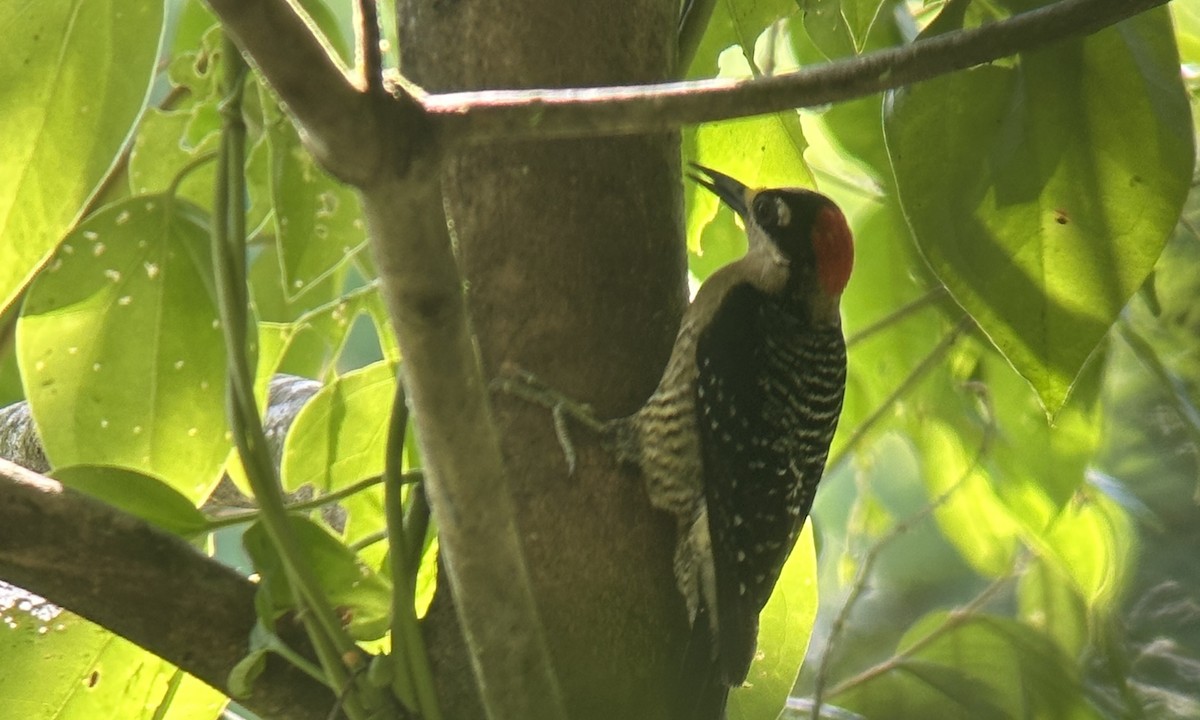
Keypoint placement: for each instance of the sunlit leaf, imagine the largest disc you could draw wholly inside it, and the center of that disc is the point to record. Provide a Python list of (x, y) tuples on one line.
[(58, 666), (73, 79), (340, 436), (766, 151), (736, 23), (1042, 194), (121, 351), (955, 471), (318, 221)]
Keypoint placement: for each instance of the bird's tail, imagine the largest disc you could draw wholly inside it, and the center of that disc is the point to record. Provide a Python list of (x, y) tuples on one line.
[(702, 692)]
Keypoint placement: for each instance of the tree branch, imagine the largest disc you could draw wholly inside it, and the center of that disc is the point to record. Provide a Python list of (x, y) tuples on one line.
[(330, 111), (147, 586), (527, 114)]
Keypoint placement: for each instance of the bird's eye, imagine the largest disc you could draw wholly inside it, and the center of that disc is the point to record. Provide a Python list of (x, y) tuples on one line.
[(771, 211)]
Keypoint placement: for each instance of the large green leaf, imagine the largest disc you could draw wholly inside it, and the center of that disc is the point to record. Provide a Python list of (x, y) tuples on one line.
[(121, 351), (73, 78), (1042, 193), (784, 629), (57, 666)]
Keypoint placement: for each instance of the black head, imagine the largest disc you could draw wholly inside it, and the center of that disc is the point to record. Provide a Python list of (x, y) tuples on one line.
[(806, 227)]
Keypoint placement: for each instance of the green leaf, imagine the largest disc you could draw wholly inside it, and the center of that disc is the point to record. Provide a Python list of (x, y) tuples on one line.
[(1042, 194), (829, 28), (121, 351), (1093, 542), (784, 629), (735, 23), (360, 594), (147, 497), (73, 78), (1048, 601), (340, 436), (988, 547), (318, 221), (57, 666)]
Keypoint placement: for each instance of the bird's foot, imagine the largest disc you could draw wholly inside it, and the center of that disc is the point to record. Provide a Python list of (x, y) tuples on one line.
[(517, 381)]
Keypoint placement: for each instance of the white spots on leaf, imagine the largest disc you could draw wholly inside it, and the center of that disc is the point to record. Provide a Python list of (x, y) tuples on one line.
[(137, 429), (327, 204), (103, 423), (90, 235), (203, 384), (98, 248), (96, 367), (40, 365), (193, 432), (178, 365), (122, 217), (73, 350), (216, 324), (113, 275), (150, 206), (124, 300), (151, 269), (68, 249), (55, 265)]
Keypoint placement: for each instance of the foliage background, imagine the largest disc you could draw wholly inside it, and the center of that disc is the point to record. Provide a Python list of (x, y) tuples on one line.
[(1008, 524)]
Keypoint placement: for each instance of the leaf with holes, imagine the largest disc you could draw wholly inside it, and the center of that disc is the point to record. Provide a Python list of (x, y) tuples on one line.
[(121, 352)]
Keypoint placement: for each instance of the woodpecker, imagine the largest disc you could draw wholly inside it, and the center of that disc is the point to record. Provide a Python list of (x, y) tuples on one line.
[(734, 439)]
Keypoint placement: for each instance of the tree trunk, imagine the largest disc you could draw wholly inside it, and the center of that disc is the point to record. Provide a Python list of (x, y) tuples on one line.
[(573, 255)]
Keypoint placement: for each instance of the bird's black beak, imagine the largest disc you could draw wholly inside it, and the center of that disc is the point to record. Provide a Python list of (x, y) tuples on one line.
[(732, 193)]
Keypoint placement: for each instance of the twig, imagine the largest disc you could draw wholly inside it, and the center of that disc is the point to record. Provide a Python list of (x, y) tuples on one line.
[(557, 113)]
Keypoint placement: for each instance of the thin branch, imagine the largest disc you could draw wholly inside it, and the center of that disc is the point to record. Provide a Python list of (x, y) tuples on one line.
[(557, 113), (303, 70)]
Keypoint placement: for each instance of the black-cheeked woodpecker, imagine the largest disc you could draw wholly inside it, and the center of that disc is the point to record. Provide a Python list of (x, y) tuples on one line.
[(734, 439)]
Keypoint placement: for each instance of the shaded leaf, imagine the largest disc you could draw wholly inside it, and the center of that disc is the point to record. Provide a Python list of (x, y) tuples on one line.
[(362, 596), (147, 497), (1042, 194)]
